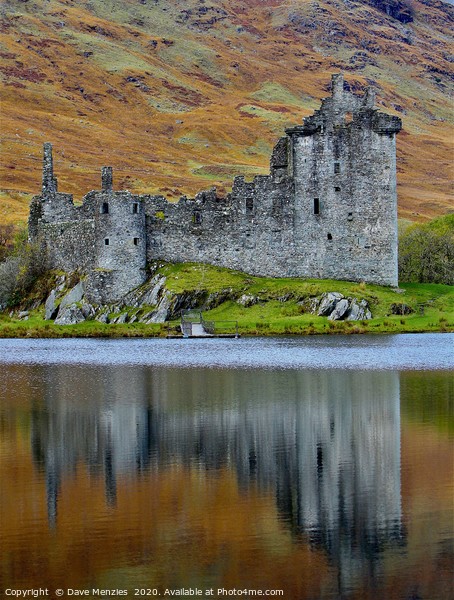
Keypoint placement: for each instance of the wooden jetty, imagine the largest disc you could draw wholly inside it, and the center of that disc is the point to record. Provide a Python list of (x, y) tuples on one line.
[(193, 325)]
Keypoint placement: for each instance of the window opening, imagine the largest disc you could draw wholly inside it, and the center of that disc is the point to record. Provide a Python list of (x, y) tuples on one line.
[(337, 167), (136, 241), (197, 217), (106, 241), (316, 206), (105, 208), (135, 208), (249, 204), (330, 237), (337, 189)]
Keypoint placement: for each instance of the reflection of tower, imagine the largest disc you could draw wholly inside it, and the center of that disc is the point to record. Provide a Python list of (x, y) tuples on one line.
[(349, 468), (103, 422)]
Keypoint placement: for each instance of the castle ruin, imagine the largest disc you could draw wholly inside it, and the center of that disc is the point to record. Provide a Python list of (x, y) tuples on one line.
[(327, 210)]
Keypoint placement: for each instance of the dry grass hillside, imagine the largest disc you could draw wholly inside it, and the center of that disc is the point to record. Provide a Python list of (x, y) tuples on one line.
[(179, 96)]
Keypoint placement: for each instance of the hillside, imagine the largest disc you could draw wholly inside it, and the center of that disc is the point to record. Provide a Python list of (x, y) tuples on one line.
[(182, 96)]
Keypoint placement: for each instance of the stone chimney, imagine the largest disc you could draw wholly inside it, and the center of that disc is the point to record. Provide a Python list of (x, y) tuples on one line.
[(49, 181), (107, 179), (337, 84)]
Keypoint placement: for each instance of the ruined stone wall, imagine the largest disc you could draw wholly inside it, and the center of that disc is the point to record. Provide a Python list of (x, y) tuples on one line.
[(248, 230), (70, 244), (328, 209)]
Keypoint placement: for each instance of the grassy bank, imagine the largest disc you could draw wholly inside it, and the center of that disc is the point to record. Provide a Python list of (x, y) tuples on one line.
[(277, 308)]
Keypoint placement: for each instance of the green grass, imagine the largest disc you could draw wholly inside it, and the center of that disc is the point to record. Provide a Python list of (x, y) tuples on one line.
[(277, 311), (37, 327)]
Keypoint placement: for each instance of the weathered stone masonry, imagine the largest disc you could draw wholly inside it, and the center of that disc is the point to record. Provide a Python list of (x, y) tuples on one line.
[(328, 209)]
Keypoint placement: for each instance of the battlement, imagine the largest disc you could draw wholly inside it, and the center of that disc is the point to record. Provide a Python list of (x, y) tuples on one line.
[(328, 209)]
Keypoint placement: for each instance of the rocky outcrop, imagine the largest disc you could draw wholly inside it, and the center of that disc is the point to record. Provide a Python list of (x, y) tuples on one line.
[(337, 307), (400, 309), (70, 315), (247, 300), (153, 302), (397, 9)]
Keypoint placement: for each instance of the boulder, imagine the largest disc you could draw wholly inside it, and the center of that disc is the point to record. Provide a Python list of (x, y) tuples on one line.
[(73, 296), (69, 315), (103, 318), (328, 303), (340, 311), (247, 300), (23, 314), (50, 308), (359, 311)]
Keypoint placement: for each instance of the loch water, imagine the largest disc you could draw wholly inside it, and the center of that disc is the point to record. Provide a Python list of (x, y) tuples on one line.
[(319, 466)]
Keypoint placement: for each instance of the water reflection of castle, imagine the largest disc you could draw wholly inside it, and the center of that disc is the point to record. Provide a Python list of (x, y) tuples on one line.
[(327, 444)]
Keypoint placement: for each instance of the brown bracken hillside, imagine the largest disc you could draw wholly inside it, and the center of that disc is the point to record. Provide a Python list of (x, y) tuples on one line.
[(180, 96)]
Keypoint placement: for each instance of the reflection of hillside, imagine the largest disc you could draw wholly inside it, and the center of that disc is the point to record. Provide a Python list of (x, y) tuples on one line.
[(327, 445)]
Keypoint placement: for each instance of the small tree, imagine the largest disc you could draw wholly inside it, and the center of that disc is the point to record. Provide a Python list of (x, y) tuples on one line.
[(6, 241), (426, 252), (24, 263)]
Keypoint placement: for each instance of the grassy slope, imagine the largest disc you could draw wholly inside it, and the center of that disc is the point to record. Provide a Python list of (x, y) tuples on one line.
[(270, 315), (181, 97)]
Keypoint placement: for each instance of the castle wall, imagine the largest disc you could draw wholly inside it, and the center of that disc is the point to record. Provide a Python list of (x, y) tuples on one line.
[(70, 244), (328, 209), (249, 230)]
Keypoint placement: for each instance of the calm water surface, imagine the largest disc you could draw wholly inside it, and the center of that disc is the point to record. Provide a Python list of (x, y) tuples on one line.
[(322, 467)]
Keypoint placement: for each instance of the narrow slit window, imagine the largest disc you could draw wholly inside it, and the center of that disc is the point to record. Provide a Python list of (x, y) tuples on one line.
[(105, 208), (106, 242), (197, 217), (136, 241), (135, 208), (337, 167), (316, 206), (249, 205)]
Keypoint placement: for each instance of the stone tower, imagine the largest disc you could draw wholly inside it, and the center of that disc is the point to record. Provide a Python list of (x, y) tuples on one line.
[(343, 163), (120, 242)]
